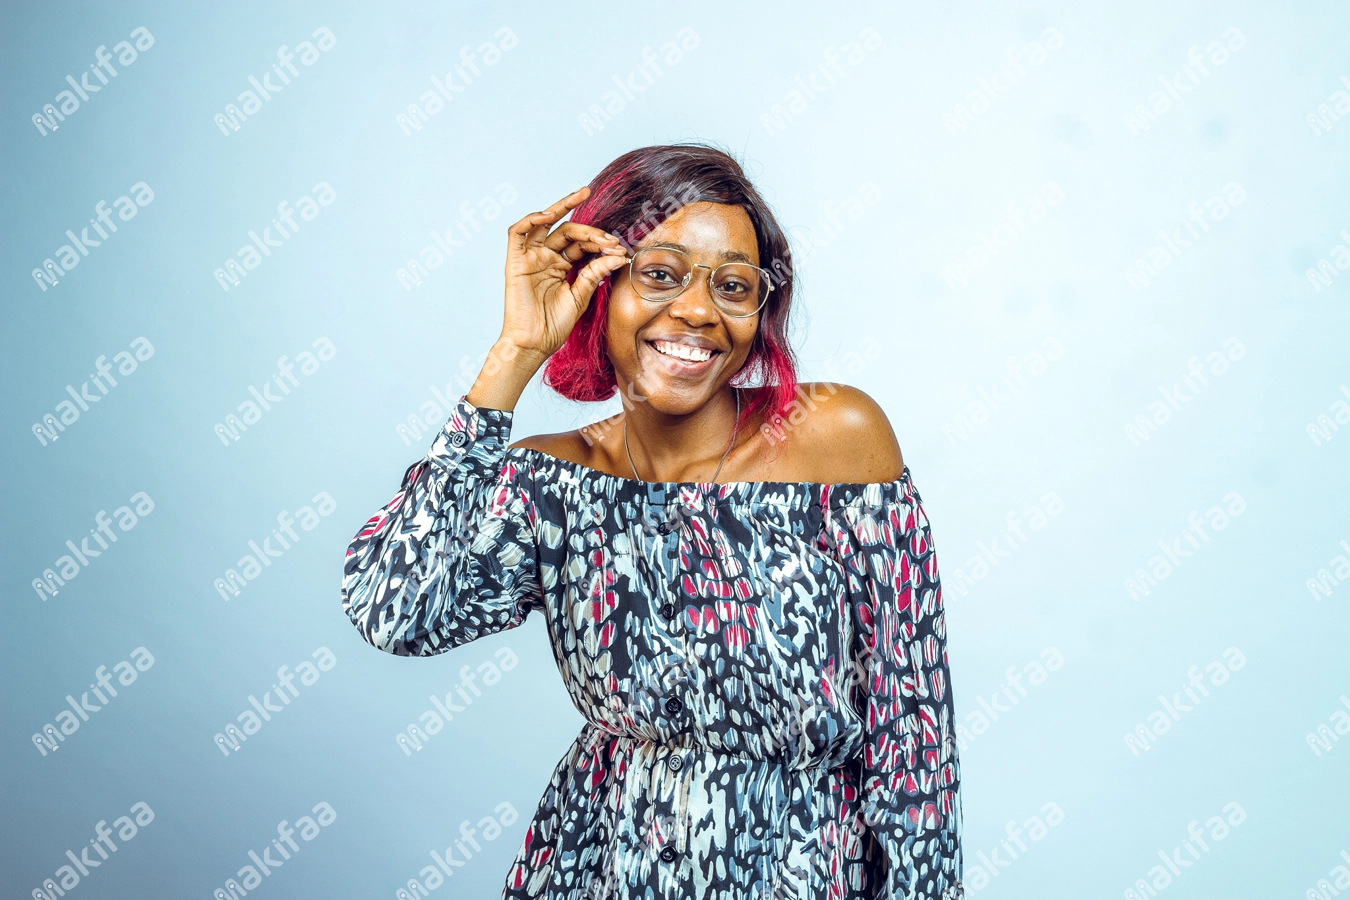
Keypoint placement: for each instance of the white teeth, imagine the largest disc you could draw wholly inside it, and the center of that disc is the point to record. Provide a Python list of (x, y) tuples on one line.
[(683, 351)]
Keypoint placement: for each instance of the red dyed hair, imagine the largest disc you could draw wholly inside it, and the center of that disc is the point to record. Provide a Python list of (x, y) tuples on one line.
[(632, 196)]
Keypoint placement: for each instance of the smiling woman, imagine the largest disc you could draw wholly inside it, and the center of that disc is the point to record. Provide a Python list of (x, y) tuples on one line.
[(820, 702)]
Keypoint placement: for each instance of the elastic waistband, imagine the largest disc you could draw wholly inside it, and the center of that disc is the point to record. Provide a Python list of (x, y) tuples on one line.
[(594, 739)]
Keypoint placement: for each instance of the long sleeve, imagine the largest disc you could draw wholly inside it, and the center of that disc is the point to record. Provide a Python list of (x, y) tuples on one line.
[(909, 776), (453, 556)]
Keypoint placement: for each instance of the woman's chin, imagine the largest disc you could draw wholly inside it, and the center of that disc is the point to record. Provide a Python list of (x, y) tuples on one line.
[(673, 397)]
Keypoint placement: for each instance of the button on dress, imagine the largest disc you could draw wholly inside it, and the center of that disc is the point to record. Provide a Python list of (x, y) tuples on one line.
[(762, 667)]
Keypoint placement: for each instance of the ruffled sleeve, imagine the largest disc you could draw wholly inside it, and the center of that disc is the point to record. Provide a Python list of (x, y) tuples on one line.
[(909, 775), (453, 556)]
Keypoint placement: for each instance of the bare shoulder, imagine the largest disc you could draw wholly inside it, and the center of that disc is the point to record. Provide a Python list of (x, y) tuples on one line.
[(569, 445), (846, 437)]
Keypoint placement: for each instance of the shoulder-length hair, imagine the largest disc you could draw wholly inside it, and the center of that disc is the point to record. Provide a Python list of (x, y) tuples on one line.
[(632, 196)]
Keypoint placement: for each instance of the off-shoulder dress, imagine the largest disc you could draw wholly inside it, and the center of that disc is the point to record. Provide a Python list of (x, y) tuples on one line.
[(762, 667)]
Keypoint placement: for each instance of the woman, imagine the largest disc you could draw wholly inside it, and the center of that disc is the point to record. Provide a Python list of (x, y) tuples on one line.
[(738, 581)]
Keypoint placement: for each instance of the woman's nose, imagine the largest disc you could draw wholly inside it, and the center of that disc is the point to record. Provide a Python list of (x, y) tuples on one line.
[(695, 302)]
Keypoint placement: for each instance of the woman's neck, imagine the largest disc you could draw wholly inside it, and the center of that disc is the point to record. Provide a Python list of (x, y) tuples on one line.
[(687, 447)]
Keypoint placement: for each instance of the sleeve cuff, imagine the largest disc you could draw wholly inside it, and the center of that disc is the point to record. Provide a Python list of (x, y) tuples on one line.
[(470, 427)]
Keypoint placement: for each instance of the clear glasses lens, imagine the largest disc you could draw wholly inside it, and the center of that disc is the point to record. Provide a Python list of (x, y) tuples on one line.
[(739, 289), (659, 274)]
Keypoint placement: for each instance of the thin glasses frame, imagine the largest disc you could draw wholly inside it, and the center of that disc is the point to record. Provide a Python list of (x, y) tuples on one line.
[(689, 279)]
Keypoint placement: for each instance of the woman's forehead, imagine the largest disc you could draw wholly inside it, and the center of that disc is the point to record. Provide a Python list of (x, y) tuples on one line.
[(705, 229)]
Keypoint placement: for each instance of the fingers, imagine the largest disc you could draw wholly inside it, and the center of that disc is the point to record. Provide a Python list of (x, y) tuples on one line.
[(578, 249), (571, 232), (590, 276), (522, 233), (532, 229), (573, 242)]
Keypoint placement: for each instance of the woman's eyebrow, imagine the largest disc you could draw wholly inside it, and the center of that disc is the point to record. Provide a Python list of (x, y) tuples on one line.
[(724, 256)]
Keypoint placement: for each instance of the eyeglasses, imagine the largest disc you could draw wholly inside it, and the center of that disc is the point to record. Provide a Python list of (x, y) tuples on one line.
[(663, 273)]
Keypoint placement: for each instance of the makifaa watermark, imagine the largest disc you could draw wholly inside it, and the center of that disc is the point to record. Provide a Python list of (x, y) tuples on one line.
[(67, 412), (977, 722), (489, 208), (50, 272), (1145, 736), (250, 413), (50, 737), (611, 103), (231, 273), (250, 878), (982, 99), (1159, 568), (977, 566), (233, 117), (233, 582), (777, 426), (810, 394), (126, 55), (231, 739), (1328, 423), (829, 229), (1326, 270), (819, 80), (983, 409), (65, 568), (490, 827), (1340, 874), (67, 877), (1158, 878), (979, 254), (820, 854), (413, 737), (1158, 413), (1326, 579), (1326, 734), (435, 411), (979, 875), (1160, 256), (853, 360), (1158, 102), (1320, 119), (467, 70)]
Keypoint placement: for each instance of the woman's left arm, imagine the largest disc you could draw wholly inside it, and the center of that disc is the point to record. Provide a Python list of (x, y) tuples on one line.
[(910, 776)]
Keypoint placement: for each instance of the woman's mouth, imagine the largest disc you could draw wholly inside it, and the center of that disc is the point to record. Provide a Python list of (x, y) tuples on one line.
[(682, 359), (682, 351)]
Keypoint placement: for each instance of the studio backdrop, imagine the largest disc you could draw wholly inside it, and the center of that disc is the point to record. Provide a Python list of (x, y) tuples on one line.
[(1093, 263)]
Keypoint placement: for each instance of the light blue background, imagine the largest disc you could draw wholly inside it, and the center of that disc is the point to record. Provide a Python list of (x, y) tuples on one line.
[(881, 278)]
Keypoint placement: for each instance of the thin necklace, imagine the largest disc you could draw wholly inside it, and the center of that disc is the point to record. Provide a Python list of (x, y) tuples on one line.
[(734, 428)]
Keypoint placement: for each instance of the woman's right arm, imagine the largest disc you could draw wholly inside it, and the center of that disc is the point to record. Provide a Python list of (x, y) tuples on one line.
[(452, 557)]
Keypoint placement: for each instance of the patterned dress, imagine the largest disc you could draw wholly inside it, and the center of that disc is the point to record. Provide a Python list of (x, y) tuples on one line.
[(762, 667)]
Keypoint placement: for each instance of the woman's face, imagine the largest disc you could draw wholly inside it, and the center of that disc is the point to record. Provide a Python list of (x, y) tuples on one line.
[(711, 233)]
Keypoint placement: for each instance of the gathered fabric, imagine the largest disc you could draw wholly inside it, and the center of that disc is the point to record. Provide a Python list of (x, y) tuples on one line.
[(762, 667)]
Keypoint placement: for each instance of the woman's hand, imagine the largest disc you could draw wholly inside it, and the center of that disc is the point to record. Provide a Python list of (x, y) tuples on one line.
[(541, 307)]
